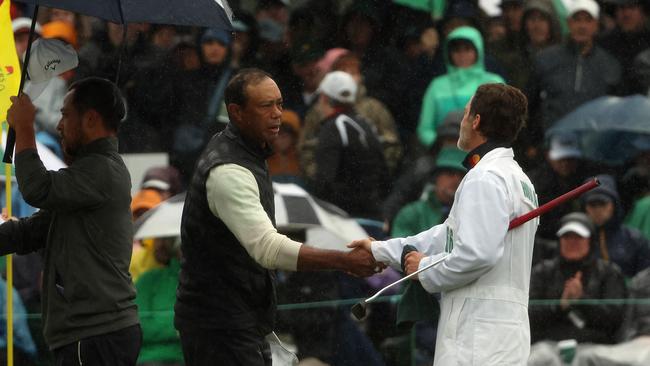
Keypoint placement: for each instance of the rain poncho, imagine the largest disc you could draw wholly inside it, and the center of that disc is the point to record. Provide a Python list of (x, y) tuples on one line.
[(454, 89)]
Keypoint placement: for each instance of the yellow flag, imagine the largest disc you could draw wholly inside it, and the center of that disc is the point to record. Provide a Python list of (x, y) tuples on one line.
[(9, 66)]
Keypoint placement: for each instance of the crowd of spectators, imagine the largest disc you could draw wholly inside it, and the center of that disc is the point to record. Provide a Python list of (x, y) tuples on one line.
[(412, 70)]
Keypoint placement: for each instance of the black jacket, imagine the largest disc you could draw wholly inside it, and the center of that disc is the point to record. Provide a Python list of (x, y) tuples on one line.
[(220, 284), (600, 280), (85, 227), (351, 171)]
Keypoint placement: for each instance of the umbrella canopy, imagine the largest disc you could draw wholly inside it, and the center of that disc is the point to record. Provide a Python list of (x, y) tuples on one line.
[(325, 226), (612, 130), (50, 160), (204, 13)]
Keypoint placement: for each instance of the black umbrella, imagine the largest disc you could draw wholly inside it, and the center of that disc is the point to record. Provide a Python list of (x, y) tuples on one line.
[(203, 13)]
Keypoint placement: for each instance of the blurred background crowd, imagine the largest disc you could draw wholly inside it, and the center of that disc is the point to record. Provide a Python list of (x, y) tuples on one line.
[(415, 64)]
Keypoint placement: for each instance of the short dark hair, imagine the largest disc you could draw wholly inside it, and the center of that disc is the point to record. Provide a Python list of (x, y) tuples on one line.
[(503, 110), (101, 95), (236, 89)]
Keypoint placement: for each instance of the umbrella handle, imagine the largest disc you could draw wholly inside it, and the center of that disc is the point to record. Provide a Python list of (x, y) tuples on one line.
[(11, 134)]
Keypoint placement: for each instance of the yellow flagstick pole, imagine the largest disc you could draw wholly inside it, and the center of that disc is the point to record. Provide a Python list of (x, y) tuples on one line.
[(10, 80), (10, 277)]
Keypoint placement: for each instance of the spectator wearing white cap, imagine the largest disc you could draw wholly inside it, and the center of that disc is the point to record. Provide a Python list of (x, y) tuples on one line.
[(567, 75), (20, 27), (563, 169), (349, 167), (576, 273)]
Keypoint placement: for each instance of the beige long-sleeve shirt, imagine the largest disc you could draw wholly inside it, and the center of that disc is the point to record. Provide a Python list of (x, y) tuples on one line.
[(233, 196)]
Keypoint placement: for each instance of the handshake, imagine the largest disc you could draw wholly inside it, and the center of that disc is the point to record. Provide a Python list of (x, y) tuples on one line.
[(361, 263)]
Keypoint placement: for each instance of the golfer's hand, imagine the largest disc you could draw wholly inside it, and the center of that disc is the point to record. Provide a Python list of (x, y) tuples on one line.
[(361, 263), (362, 243), (412, 263), (22, 113)]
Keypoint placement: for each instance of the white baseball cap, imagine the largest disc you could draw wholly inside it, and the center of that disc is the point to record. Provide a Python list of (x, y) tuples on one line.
[(340, 86), (49, 58), (590, 6), (575, 227), (22, 23), (564, 146)]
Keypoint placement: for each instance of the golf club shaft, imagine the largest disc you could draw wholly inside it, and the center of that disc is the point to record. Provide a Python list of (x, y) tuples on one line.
[(593, 183), (407, 277), (518, 221)]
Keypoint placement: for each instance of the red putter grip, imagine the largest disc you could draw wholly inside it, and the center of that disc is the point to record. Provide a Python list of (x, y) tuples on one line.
[(554, 203)]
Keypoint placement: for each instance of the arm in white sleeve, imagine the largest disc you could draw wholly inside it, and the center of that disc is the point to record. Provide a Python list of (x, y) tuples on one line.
[(429, 242), (233, 196), (478, 244)]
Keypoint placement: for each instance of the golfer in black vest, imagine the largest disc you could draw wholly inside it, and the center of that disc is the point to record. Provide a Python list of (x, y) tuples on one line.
[(226, 296)]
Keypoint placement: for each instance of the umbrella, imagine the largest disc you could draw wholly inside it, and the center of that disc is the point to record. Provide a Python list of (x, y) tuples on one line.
[(325, 226), (50, 160), (612, 130), (204, 13)]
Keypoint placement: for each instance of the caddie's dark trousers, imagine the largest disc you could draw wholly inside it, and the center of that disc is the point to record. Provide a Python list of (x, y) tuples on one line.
[(225, 348), (119, 348)]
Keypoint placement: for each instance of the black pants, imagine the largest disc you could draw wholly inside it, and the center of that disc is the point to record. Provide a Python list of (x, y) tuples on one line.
[(119, 348), (225, 348)]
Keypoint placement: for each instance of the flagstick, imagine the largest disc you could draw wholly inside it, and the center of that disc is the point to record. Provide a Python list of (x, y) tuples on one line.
[(10, 276)]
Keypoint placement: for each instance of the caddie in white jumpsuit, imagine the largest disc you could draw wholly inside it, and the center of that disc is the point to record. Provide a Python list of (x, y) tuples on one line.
[(485, 279)]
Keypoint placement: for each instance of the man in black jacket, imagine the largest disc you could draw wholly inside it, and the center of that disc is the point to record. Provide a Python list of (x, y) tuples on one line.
[(576, 274), (84, 225), (351, 171), (226, 299)]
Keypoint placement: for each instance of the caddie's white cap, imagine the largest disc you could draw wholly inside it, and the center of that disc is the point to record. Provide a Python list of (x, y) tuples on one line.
[(49, 58), (574, 227), (590, 6), (340, 86)]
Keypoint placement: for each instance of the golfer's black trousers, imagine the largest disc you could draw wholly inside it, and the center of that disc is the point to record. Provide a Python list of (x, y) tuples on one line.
[(223, 347), (119, 348)]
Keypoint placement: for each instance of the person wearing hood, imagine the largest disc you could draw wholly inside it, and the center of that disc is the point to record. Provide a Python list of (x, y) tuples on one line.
[(199, 96), (617, 243), (464, 57), (576, 273)]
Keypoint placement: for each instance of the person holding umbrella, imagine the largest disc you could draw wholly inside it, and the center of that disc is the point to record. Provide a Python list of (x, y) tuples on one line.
[(485, 271), (83, 227), (226, 298)]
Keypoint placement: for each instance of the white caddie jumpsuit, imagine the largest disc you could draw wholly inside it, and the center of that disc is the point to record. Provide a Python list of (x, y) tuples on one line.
[(485, 280)]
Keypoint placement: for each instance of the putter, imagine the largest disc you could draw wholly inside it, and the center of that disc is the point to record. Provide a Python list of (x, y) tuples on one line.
[(359, 309)]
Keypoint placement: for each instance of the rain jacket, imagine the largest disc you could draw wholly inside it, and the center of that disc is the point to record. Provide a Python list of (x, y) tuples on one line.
[(418, 216), (484, 281), (562, 79), (156, 298), (595, 323), (623, 245), (86, 228), (454, 89), (639, 216)]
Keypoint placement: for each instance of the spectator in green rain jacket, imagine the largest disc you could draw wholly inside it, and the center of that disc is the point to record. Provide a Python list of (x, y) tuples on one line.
[(464, 57)]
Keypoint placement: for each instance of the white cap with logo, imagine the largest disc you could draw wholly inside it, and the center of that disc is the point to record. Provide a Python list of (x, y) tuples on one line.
[(590, 6), (48, 58), (340, 86)]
